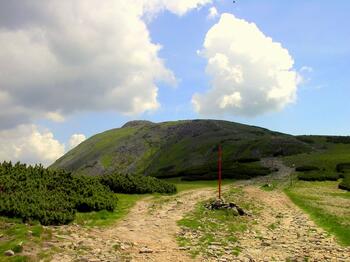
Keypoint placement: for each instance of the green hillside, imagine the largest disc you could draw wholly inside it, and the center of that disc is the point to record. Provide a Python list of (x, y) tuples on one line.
[(178, 148)]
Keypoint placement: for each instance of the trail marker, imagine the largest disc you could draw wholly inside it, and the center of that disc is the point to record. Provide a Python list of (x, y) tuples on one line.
[(219, 169)]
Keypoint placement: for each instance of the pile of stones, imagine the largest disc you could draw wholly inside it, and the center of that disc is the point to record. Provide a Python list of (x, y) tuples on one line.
[(221, 204)]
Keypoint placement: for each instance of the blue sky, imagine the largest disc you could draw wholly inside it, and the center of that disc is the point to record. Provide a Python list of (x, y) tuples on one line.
[(316, 35)]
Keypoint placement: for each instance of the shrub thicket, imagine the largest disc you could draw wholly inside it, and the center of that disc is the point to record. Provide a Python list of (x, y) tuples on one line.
[(318, 176), (306, 168), (338, 139), (345, 184), (343, 167), (51, 197), (248, 159), (238, 171), (136, 184), (305, 139)]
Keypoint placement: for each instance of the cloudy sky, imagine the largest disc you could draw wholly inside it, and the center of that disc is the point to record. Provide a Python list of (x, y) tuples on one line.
[(70, 69)]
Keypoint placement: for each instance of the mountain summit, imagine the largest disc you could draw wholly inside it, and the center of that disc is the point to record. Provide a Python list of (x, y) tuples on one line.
[(176, 148)]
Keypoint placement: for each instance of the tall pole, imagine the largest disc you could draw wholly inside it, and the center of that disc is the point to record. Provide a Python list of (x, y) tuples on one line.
[(219, 170)]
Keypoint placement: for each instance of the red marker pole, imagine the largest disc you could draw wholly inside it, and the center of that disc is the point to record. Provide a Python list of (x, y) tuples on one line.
[(219, 170)]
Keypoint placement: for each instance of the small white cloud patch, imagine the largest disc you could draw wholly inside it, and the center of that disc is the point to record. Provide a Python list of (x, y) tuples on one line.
[(55, 116), (76, 139), (213, 12), (251, 74)]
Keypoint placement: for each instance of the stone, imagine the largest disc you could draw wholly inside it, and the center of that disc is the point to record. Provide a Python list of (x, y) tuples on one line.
[(145, 250), (9, 253), (184, 248)]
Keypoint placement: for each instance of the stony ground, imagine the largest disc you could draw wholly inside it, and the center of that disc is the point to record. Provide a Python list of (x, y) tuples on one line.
[(146, 234), (284, 233), (281, 232)]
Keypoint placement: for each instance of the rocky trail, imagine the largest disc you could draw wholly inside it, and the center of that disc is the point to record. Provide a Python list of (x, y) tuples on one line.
[(284, 233), (148, 233), (281, 231)]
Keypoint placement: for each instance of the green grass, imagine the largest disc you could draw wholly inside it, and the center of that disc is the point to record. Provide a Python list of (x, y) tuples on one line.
[(191, 185), (106, 160), (327, 205), (269, 186), (105, 218), (214, 226), (327, 159), (16, 235)]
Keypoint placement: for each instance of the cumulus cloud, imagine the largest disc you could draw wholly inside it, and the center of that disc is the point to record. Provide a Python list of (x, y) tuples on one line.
[(213, 12), (251, 74), (76, 139), (26, 143), (60, 57)]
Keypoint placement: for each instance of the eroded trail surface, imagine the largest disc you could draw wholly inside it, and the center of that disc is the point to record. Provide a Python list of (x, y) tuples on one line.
[(148, 233), (284, 233)]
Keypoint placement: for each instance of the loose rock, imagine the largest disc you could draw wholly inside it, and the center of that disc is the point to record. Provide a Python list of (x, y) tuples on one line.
[(145, 250), (9, 253)]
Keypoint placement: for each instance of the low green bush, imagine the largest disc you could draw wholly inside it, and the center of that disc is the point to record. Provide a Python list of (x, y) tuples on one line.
[(343, 167), (238, 171), (338, 139), (136, 184), (305, 139), (248, 159), (318, 176), (345, 184), (306, 168), (50, 197)]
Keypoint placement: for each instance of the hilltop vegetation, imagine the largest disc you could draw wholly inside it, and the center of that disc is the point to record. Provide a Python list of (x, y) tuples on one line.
[(180, 148)]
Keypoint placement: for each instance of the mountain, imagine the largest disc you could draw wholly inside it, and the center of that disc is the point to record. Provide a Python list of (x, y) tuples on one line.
[(176, 148)]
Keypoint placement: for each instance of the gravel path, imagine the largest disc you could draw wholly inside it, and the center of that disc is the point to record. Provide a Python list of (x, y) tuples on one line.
[(146, 234), (284, 233)]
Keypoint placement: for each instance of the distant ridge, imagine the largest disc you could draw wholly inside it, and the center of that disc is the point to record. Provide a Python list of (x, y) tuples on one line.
[(175, 148)]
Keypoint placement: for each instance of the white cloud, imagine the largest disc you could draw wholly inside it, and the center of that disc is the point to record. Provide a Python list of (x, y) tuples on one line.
[(55, 116), (213, 12), (76, 139), (178, 7), (304, 75), (251, 74), (60, 57), (308, 69), (26, 143)]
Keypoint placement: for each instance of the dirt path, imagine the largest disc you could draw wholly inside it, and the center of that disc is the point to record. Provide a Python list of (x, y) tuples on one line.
[(284, 233), (146, 234)]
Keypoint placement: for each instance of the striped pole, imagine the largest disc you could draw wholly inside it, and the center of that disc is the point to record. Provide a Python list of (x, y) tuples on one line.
[(219, 170)]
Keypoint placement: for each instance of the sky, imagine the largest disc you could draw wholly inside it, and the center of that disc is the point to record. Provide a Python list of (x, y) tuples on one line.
[(71, 69)]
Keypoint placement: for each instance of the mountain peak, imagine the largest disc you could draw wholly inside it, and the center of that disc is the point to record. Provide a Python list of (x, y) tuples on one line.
[(137, 123)]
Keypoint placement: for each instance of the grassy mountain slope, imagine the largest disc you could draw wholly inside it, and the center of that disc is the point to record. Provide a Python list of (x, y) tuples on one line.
[(175, 148)]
